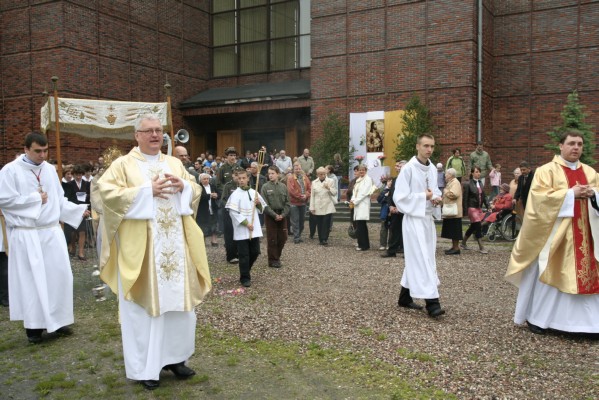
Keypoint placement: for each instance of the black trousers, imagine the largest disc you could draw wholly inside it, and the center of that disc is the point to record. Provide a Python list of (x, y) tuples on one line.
[(3, 278), (405, 298), (312, 224), (248, 251), (476, 228), (323, 224), (362, 233), (395, 234), (230, 246)]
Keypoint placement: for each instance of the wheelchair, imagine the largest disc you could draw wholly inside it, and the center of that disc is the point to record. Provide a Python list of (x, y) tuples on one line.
[(506, 226)]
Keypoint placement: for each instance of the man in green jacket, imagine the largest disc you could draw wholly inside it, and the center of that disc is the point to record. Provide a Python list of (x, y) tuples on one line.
[(480, 158)]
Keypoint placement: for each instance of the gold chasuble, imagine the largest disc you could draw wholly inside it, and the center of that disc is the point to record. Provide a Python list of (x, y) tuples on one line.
[(571, 261), (128, 244)]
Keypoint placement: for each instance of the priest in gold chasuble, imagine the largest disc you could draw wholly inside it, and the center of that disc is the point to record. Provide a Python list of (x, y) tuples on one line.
[(554, 261), (153, 255)]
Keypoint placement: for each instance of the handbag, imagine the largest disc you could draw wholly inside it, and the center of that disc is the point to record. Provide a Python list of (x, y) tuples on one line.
[(449, 210), (475, 214), (351, 231)]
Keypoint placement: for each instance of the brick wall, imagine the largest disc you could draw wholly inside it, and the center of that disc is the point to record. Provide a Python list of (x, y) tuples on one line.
[(122, 50), (366, 55)]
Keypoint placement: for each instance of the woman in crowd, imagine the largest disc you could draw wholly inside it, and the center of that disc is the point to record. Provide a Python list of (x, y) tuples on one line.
[(452, 224), (473, 200), (514, 182), (338, 171), (207, 209), (499, 206), (322, 204), (360, 202), (331, 175), (383, 200)]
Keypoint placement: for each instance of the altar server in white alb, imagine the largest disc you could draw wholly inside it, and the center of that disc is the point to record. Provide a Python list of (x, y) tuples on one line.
[(153, 255), (39, 271), (243, 205), (417, 196)]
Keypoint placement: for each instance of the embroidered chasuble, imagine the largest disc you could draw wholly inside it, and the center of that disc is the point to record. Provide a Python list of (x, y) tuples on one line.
[(162, 263), (563, 244)]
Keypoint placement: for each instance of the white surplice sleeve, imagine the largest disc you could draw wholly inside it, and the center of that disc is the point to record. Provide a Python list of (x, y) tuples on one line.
[(407, 200), (143, 205), (25, 206)]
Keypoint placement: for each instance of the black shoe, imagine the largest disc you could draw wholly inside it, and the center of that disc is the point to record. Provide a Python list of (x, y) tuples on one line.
[(150, 384), (387, 255), (311, 236), (180, 370), (411, 305), (35, 339), (324, 243), (536, 329), (453, 252), (275, 264), (436, 312), (214, 244), (65, 331), (246, 283)]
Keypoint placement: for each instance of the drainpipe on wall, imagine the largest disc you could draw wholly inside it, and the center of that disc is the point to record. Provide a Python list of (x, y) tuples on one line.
[(479, 80)]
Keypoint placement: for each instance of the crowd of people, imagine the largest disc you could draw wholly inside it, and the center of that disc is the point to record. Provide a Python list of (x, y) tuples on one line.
[(157, 212)]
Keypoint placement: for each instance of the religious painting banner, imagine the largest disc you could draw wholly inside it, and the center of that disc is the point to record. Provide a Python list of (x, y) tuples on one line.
[(98, 118), (374, 136)]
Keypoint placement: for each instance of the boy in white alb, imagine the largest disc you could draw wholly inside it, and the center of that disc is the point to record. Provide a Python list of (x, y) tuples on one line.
[(244, 204)]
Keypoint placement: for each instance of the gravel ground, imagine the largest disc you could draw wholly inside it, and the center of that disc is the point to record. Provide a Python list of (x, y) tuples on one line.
[(338, 297)]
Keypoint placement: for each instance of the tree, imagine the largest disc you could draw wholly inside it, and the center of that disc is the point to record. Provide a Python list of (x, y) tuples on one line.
[(573, 117), (335, 139), (417, 120)]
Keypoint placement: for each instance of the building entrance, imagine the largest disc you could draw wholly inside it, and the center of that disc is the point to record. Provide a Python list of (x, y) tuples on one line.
[(253, 140)]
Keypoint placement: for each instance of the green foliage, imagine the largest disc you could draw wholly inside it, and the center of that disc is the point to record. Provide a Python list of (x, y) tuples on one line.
[(417, 120), (335, 139), (573, 117)]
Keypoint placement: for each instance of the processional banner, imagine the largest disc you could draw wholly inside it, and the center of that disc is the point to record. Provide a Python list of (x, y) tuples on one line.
[(374, 136), (98, 118)]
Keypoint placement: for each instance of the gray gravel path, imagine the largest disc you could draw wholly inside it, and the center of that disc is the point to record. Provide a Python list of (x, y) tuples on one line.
[(338, 297)]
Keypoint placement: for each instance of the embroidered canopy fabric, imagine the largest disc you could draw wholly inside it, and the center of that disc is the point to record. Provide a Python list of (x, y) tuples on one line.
[(98, 118)]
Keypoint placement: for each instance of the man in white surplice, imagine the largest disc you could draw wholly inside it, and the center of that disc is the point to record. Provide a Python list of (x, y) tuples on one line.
[(40, 277), (153, 255), (417, 197)]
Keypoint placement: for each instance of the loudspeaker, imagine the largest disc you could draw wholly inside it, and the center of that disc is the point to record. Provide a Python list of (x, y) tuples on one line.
[(182, 136)]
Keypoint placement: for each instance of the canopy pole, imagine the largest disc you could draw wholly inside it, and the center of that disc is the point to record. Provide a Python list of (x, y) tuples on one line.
[(57, 118), (169, 113)]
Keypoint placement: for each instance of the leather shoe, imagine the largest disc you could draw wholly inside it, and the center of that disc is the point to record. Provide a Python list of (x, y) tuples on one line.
[(180, 370), (452, 252), (150, 384), (536, 329), (35, 339), (387, 255), (246, 283), (411, 305), (436, 312), (65, 331)]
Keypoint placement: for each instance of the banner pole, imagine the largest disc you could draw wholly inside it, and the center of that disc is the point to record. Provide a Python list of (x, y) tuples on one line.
[(57, 118), (167, 88)]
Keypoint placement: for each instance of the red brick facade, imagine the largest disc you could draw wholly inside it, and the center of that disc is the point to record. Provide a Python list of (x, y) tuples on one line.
[(366, 56)]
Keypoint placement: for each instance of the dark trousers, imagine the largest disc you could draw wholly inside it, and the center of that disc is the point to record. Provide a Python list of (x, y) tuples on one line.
[(476, 228), (362, 233), (276, 237), (3, 279), (323, 223), (297, 214), (312, 224), (248, 251), (395, 234), (230, 246), (405, 298)]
